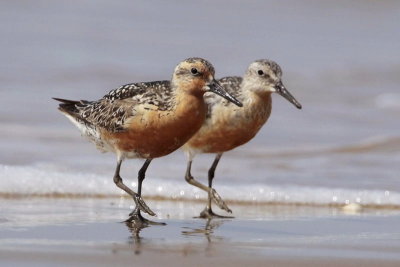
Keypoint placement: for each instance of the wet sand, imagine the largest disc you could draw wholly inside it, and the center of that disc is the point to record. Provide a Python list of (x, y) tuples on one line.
[(89, 231)]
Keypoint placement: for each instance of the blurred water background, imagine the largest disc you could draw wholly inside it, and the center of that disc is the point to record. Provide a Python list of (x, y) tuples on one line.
[(340, 59)]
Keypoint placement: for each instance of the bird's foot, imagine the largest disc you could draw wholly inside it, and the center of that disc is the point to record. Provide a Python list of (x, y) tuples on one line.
[(207, 213), (141, 205), (139, 221), (218, 200)]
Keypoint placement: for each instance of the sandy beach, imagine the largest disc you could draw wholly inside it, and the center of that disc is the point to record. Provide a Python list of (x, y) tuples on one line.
[(91, 231)]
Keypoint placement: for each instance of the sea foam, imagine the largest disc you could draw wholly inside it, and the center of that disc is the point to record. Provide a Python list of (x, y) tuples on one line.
[(37, 181)]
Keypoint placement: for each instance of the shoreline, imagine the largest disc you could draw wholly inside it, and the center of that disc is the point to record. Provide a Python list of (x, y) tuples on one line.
[(89, 231), (343, 206)]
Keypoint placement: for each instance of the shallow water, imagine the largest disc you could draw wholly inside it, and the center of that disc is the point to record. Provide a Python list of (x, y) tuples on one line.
[(339, 59), (81, 232)]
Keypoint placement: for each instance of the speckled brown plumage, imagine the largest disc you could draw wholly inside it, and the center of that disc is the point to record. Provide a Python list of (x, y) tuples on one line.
[(146, 120)]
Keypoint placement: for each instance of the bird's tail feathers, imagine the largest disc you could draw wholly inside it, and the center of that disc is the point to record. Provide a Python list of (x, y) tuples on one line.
[(69, 106)]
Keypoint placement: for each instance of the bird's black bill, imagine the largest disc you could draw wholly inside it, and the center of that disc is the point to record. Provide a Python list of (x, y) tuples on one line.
[(217, 88), (280, 89)]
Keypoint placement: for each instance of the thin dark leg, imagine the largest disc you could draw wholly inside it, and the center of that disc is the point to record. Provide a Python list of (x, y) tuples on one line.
[(211, 173), (142, 175), (208, 212), (212, 193), (135, 215), (140, 204)]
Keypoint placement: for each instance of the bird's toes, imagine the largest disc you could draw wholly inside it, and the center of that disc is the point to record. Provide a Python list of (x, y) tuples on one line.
[(218, 200), (142, 205)]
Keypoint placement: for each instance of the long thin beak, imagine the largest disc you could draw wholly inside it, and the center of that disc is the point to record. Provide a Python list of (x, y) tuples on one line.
[(217, 88), (280, 89)]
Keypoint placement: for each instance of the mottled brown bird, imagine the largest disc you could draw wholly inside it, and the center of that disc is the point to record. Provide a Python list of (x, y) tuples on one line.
[(147, 120)]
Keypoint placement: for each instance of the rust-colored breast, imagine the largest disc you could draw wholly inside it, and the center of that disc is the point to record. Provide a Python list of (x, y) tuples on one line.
[(229, 127), (154, 133)]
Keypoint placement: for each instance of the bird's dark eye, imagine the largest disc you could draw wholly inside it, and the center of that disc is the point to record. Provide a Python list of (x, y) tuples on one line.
[(260, 72), (194, 71)]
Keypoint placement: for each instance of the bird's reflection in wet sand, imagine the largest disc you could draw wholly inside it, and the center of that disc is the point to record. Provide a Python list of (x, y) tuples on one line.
[(135, 239), (207, 230)]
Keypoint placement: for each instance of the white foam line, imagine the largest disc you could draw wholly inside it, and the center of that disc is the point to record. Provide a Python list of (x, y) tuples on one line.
[(30, 180)]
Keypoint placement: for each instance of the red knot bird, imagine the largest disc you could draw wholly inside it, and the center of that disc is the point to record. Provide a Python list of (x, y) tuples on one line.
[(227, 126), (147, 120)]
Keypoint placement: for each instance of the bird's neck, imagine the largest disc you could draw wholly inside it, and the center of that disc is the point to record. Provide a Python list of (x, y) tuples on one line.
[(262, 97), (189, 103), (257, 105), (188, 93)]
